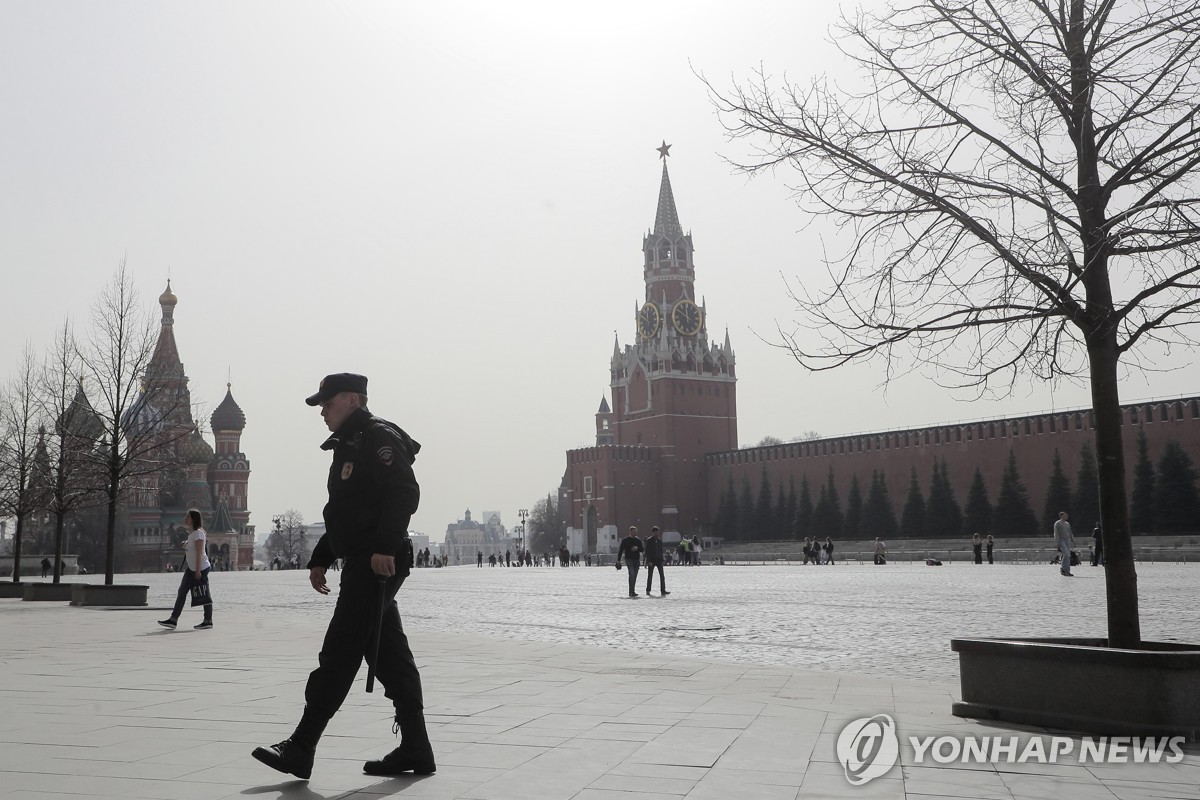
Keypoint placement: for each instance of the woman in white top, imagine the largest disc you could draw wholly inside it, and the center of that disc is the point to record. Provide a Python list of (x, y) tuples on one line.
[(196, 572)]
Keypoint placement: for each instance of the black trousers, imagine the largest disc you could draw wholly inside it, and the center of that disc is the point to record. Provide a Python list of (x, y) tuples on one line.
[(350, 638), (662, 581)]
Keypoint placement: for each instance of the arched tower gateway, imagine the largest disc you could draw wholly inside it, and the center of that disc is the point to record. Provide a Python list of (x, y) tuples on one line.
[(673, 401)]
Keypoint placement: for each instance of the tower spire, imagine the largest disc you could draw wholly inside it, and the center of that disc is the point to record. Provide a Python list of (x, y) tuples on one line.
[(666, 219), (165, 362)]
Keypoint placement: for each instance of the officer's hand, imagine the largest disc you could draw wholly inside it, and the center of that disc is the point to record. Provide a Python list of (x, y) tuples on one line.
[(316, 576), (384, 566)]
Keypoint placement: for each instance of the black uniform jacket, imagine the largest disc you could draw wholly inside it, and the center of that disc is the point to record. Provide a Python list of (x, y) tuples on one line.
[(373, 492), (654, 550), (631, 548)]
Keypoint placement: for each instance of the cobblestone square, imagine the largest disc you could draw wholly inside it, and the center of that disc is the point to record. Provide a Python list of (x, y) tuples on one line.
[(550, 683)]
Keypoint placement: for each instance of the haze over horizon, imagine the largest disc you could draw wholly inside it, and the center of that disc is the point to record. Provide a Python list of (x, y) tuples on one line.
[(448, 199)]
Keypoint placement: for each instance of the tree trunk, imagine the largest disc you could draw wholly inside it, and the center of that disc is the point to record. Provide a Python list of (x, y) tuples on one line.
[(58, 546), (1124, 629), (110, 541), (18, 533)]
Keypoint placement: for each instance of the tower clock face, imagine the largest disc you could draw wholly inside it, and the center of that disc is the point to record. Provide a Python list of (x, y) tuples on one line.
[(686, 317), (649, 320)]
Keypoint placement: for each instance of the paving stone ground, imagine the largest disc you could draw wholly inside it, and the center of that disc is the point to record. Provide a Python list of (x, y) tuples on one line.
[(548, 683)]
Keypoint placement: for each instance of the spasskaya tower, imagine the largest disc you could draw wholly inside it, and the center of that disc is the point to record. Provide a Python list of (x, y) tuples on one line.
[(673, 401)]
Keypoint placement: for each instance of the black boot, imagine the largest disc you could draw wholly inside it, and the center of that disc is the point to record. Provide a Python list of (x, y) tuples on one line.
[(295, 755), (415, 753), (287, 756)]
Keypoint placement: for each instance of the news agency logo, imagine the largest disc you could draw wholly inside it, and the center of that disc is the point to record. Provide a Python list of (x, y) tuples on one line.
[(868, 748)]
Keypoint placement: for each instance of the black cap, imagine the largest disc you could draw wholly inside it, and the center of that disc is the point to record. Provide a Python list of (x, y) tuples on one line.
[(336, 384)]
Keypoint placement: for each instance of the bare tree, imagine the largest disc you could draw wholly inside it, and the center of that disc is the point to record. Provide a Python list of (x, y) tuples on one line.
[(137, 416), (1016, 185), (73, 438), (289, 538), (19, 422)]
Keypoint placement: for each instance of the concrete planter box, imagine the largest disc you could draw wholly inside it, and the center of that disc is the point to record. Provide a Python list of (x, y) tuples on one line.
[(49, 591), (10, 589), (1082, 685), (87, 594)]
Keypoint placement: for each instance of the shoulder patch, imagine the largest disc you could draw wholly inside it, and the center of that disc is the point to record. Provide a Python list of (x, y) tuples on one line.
[(386, 454)]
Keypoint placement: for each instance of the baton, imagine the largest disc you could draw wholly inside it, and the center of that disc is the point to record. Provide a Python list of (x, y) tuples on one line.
[(374, 659)]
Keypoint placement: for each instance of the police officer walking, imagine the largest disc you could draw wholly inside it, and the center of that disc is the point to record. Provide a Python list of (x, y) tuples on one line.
[(372, 496), (654, 559)]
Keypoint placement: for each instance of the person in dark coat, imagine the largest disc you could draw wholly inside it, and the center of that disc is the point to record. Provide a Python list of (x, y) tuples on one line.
[(654, 559), (977, 546), (1097, 546), (631, 551), (991, 544), (373, 494)]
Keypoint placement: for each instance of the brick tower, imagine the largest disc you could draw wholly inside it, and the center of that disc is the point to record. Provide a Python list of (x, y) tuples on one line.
[(673, 401)]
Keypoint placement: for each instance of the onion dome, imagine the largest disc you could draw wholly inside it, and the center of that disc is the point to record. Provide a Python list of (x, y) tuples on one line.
[(195, 450), (142, 418), (228, 416), (80, 420), (168, 298)]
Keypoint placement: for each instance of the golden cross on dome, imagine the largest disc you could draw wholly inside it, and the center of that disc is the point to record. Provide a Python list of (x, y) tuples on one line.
[(664, 151)]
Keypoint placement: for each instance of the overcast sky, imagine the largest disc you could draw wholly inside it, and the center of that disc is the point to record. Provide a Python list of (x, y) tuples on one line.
[(449, 198)]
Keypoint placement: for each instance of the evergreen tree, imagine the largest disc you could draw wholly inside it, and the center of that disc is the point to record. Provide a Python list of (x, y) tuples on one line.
[(763, 512), (827, 520), (1058, 498), (1085, 508), (854, 506), (878, 517), (833, 525), (780, 526), (788, 522), (726, 521), (1176, 501), (1013, 516), (912, 518), (802, 527), (1141, 504), (746, 511), (978, 515), (943, 517)]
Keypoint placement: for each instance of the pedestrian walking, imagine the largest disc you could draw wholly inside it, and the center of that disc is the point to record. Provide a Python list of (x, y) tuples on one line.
[(991, 543), (654, 560), (880, 551), (46, 567), (977, 547), (372, 496), (1097, 546), (194, 583), (828, 550), (1064, 540), (631, 551)]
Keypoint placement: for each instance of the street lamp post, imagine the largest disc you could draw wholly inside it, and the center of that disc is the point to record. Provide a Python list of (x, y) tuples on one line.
[(523, 514)]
